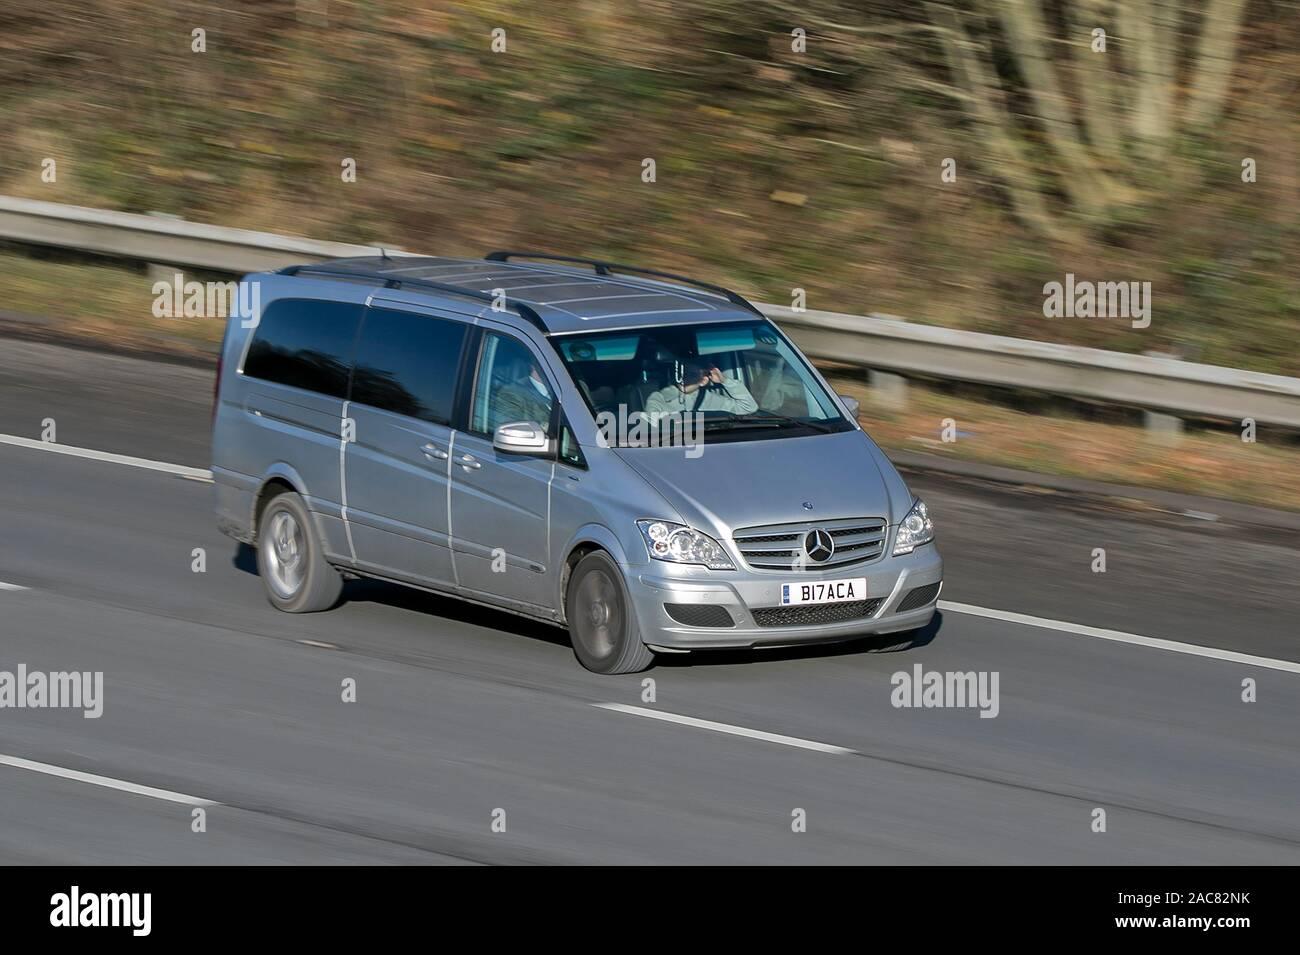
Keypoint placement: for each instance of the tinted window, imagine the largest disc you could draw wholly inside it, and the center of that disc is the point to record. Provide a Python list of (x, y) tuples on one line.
[(306, 344), (406, 363)]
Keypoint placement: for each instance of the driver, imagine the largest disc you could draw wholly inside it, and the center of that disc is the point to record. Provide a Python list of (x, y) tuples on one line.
[(702, 388)]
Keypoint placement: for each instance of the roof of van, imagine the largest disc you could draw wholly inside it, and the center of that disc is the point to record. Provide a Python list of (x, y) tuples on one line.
[(566, 298)]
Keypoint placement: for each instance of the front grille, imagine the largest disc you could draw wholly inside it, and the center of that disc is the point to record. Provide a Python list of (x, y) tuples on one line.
[(781, 546), (813, 614), (700, 615), (918, 597)]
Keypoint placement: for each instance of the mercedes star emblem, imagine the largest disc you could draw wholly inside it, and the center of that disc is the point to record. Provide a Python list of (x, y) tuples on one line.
[(819, 545)]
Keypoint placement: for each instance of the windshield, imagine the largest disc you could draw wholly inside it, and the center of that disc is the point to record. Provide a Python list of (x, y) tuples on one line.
[(736, 381)]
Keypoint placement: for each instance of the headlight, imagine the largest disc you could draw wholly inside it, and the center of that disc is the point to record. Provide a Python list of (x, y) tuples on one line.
[(683, 545), (915, 530)]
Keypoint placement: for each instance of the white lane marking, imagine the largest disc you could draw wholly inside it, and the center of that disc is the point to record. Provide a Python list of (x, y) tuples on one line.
[(318, 644), (726, 728), (195, 473), (1120, 636), (105, 781), (4, 586)]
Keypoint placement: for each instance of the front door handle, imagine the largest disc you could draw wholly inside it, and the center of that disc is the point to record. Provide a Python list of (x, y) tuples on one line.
[(433, 452), (468, 462)]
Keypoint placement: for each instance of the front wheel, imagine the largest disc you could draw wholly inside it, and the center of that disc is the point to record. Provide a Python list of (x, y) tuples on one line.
[(601, 623), (298, 579)]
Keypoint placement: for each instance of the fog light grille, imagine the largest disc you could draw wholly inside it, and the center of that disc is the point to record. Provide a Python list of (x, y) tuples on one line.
[(918, 597), (700, 615)]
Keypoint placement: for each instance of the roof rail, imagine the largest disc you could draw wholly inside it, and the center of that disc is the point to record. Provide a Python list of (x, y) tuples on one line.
[(526, 312), (609, 268)]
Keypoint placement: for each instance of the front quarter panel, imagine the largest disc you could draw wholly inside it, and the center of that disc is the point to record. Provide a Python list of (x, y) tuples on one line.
[(900, 496), (601, 505)]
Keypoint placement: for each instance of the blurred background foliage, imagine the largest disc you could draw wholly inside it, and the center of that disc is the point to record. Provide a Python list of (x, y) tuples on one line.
[(775, 169)]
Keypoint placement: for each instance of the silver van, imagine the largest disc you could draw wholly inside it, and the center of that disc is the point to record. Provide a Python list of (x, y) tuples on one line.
[(638, 456)]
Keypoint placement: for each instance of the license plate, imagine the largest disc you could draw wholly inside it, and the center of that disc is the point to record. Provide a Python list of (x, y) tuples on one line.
[(824, 591)]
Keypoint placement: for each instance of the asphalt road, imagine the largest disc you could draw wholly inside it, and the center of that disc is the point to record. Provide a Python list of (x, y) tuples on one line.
[(211, 696)]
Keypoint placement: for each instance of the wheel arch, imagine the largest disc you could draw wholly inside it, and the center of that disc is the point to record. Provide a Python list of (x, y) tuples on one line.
[(279, 477), (587, 539)]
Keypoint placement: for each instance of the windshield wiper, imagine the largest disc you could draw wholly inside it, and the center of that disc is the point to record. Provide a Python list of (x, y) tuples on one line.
[(768, 418)]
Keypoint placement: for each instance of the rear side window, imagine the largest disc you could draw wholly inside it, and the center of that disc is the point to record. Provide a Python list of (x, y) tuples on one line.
[(306, 344), (407, 363)]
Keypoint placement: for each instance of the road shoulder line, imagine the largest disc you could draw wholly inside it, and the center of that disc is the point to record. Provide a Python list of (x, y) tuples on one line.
[(1119, 636)]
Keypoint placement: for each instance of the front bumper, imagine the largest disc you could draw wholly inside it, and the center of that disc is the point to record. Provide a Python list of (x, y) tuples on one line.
[(890, 579)]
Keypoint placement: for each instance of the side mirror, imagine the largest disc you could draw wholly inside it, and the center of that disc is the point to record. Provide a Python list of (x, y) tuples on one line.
[(521, 437), (851, 404)]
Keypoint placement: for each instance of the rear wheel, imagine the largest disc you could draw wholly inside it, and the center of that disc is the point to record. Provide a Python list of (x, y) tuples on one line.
[(298, 579), (601, 624)]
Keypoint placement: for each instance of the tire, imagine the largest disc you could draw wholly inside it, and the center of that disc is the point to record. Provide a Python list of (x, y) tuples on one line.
[(294, 571), (602, 625)]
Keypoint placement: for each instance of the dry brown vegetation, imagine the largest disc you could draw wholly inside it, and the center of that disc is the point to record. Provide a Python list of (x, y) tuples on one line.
[(460, 149)]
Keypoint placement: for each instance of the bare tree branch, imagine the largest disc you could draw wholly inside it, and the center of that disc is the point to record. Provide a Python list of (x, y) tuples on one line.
[(1215, 59), (992, 121), (1101, 105)]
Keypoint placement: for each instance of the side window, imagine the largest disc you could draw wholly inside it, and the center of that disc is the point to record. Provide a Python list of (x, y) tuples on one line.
[(510, 387), (306, 344), (406, 363), (570, 452)]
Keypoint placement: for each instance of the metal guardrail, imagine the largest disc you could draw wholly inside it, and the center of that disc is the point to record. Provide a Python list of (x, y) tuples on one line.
[(1168, 385), (880, 343), (162, 239)]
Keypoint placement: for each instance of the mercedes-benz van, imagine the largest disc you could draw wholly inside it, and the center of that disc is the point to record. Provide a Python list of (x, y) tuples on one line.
[(641, 457)]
